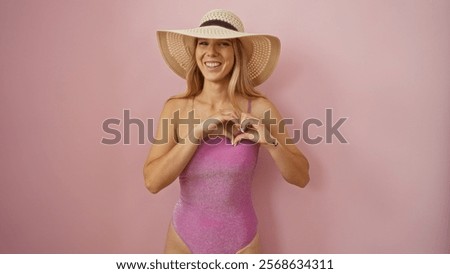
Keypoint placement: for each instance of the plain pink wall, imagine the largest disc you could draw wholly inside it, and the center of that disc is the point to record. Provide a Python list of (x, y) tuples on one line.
[(66, 66)]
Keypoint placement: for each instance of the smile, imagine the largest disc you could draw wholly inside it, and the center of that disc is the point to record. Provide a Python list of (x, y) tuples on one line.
[(212, 64)]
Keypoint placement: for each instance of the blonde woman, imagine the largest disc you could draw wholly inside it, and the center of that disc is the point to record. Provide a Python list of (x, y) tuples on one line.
[(214, 132)]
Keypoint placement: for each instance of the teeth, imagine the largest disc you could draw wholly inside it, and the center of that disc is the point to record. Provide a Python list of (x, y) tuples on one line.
[(212, 64)]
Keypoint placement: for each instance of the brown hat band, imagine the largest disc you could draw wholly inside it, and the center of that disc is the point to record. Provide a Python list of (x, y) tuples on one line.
[(219, 23)]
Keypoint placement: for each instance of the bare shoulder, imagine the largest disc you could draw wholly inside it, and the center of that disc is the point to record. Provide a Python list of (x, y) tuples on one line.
[(262, 105), (175, 104)]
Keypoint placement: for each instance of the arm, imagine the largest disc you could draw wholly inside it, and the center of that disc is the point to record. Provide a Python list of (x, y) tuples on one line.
[(166, 160), (293, 165)]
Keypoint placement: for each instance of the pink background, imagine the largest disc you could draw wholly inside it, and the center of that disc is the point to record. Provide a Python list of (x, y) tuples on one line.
[(66, 66)]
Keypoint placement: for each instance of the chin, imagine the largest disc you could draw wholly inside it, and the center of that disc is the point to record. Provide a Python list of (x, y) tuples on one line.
[(216, 79)]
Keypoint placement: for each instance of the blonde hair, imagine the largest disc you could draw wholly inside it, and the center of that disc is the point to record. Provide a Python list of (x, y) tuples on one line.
[(239, 84)]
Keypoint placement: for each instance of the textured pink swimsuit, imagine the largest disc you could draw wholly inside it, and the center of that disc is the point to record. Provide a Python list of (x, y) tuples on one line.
[(215, 212)]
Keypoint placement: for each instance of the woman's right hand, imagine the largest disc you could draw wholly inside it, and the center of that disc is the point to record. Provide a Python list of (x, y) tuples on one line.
[(220, 123)]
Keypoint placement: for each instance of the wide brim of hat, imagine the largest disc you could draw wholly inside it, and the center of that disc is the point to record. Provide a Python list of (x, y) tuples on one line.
[(178, 47)]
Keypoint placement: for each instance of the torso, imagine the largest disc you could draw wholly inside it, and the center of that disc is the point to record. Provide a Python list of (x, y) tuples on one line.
[(215, 213)]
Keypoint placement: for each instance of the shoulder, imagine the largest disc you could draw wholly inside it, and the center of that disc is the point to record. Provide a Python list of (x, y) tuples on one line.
[(176, 103), (262, 105)]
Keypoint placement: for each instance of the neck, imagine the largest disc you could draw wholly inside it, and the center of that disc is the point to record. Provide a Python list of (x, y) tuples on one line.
[(215, 93)]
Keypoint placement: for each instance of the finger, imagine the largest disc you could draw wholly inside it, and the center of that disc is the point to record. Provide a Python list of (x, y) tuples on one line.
[(247, 123), (229, 135), (240, 137), (237, 139), (255, 126), (236, 129)]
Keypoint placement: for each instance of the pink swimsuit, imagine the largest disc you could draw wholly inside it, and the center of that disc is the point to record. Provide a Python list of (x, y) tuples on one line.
[(215, 212)]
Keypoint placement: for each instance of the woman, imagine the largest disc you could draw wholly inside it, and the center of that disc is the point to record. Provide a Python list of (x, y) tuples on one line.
[(214, 131)]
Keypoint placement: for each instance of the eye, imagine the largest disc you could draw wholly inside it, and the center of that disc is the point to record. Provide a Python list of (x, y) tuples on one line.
[(224, 44), (202, 43)]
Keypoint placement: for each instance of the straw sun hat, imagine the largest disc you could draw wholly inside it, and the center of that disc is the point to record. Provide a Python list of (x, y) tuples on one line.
[(177, 46)]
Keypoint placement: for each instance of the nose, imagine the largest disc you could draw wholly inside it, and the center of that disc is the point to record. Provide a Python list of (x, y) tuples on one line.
[(211, 49)]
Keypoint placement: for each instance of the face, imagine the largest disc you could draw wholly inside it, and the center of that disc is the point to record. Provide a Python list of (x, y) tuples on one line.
[(215, 58)]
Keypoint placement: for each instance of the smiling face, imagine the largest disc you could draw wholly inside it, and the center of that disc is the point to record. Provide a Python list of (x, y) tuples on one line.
[(215, 59)]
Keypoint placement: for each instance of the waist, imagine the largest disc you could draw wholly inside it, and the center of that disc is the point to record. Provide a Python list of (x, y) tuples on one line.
[(223, 209), (216, 189)]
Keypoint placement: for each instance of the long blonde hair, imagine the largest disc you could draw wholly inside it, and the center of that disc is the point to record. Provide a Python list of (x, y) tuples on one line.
[(239, 84)]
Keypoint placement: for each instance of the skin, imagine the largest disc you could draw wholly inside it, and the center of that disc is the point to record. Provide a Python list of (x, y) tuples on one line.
[(166, 161)]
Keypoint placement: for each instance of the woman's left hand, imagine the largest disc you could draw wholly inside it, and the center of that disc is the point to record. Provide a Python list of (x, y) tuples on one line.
[(251, 128)]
